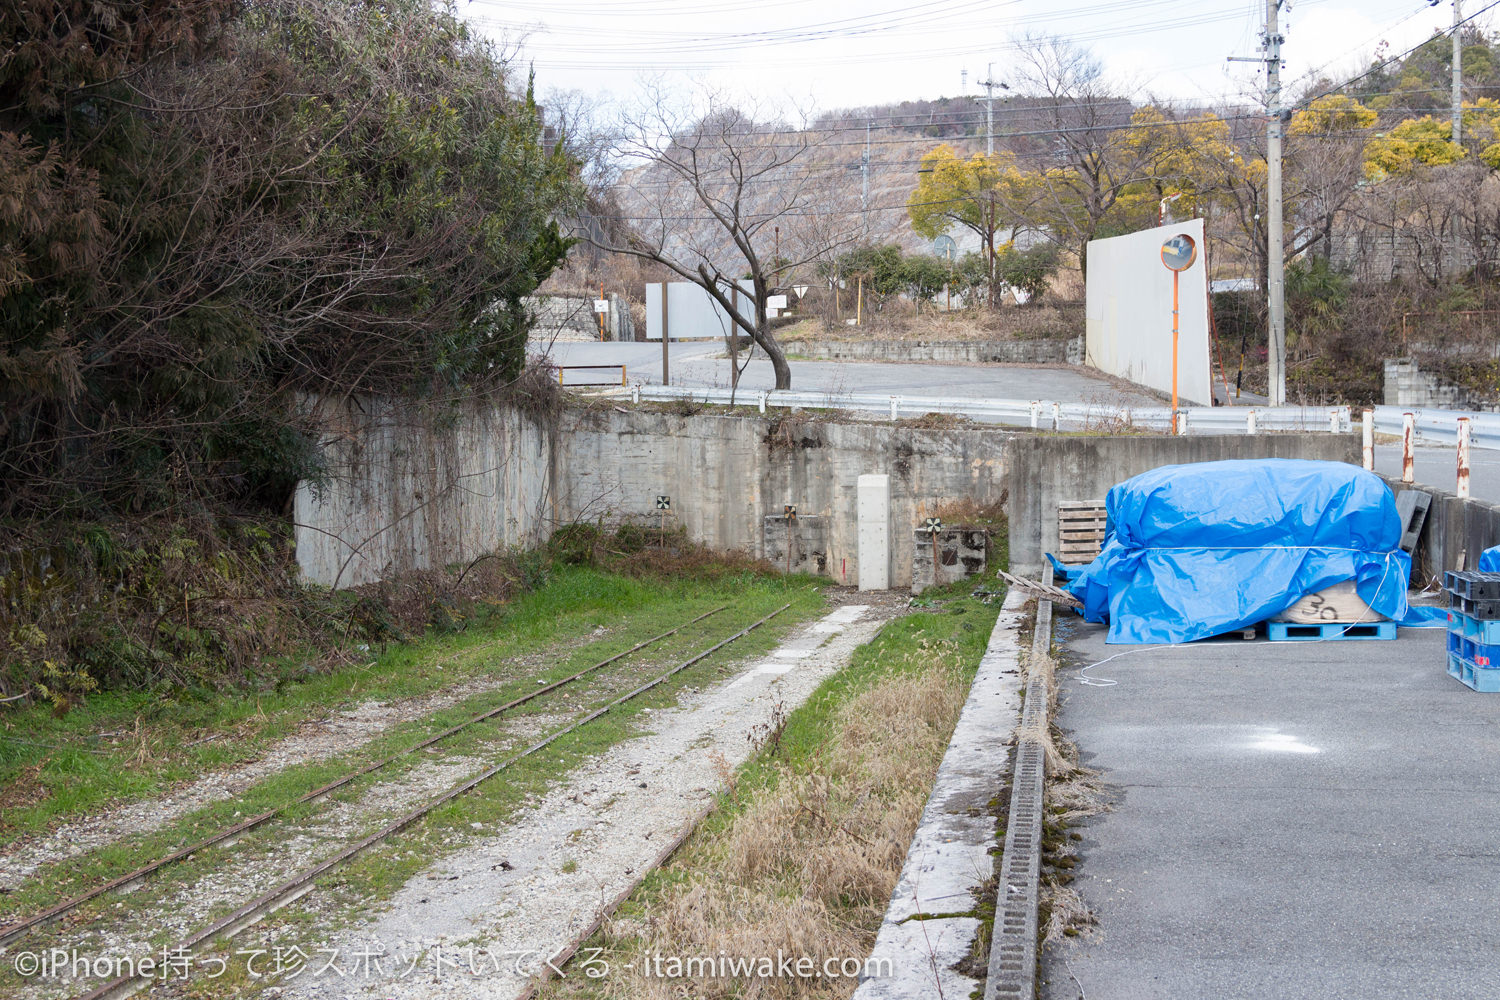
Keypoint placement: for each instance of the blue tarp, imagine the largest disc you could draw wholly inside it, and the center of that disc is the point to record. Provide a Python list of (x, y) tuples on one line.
[(1489, 560), (1195, 550)]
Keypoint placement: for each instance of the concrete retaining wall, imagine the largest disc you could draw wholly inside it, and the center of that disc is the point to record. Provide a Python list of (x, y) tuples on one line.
[(417, 491), (1041, 352), (726, 474), (1454, 528), (1044, 470), (410, 490)]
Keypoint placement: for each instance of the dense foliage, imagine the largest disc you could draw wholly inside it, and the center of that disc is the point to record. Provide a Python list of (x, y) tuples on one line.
[(210, 211)]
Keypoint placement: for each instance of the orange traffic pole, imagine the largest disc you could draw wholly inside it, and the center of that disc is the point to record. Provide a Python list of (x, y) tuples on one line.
[(1174, 351), (601, 315)]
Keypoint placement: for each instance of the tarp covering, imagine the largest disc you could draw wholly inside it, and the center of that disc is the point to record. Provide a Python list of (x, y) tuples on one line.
[(1489, 560), (1195, 550)]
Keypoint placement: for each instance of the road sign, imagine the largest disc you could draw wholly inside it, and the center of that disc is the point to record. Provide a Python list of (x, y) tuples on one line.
[(790, 512), (663, 503), (934, 526), (801, 290), (601, 306)]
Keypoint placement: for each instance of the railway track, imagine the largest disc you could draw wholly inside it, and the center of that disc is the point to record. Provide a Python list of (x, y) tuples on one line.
[(300, 884), (228, 835)]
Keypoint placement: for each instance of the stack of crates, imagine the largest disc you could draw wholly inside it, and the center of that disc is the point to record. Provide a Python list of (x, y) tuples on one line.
[(1474, 628)]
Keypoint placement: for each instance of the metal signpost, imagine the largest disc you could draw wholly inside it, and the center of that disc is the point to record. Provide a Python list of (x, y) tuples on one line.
[(663, 504), (1178, 254)]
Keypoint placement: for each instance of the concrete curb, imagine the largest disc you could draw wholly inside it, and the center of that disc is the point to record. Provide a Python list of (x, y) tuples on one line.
[(949, 856), (1013, 945)]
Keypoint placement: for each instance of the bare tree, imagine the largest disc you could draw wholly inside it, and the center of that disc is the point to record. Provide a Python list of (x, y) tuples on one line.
[(727, 199), (1086, 114)]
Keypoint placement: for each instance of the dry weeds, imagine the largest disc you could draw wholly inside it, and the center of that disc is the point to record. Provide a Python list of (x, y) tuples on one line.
[(809, 866)]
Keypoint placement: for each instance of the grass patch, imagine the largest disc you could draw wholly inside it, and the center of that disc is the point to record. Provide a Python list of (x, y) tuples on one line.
[(122, 746), (809, 837)]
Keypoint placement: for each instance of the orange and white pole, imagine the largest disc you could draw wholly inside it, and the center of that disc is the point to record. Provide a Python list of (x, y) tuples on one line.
[(1174, 347), (1463, 457)]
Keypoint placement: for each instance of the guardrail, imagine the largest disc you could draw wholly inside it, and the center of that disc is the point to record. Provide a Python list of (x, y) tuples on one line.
[(1429, 426)]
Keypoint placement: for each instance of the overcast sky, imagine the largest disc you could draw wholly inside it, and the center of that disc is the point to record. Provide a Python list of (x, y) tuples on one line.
[(848, 53)]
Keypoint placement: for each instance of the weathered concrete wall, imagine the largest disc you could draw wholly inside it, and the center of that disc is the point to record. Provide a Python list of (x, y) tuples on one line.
[(413, 492), (1455, 528), (410, 490), (726, 474), (1044, 470), (1041, 352), (1407, 385)]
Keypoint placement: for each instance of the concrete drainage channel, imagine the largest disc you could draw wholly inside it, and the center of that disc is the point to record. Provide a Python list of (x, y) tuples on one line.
[(928, 933), (1012, 970)]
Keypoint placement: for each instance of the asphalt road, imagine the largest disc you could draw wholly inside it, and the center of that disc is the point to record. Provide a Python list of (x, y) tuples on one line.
[(1308, 821), (701, 364)]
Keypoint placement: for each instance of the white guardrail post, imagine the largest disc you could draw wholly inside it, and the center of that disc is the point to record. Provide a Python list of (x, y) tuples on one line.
[(1408, 441), (1463, 457)]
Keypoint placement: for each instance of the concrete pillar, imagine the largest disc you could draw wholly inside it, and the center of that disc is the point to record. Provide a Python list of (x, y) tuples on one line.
[(874, 510)]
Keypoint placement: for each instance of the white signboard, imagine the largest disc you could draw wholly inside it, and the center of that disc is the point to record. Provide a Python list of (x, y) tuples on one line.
[(1129, 313), (601, 306), (776, 302)]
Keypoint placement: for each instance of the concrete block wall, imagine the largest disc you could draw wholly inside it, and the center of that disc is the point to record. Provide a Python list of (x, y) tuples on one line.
[(1407, 385), (1042, 352), (961, 552)]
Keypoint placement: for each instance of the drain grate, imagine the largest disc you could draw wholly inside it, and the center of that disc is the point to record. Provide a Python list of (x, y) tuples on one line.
[(1012, 967)]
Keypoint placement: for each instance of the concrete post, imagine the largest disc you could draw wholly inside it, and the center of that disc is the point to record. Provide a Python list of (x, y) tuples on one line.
[(1369, 439), (874, 512), (1181, 422), (1056, 416), (1333, 421), (895, 406), (762, 398), (1036, 413), (1250, 422)]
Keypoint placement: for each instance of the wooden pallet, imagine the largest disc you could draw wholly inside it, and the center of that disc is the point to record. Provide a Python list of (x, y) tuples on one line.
[(1080, 531), (1045, 591)]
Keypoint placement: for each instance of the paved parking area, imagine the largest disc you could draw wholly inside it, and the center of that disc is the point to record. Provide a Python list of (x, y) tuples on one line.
[(701, 364), (1289, 820)]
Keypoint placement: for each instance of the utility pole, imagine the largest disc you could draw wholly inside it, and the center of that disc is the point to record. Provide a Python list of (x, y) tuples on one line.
[(864, 174), (1458, 117), (1458, 75), (988, 100), (1275, 265)]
